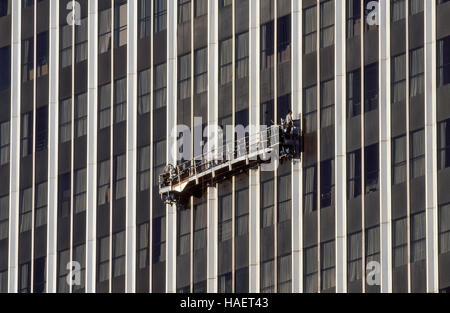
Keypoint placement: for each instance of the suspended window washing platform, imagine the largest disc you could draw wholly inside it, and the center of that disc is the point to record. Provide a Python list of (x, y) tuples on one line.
[(276, 143)]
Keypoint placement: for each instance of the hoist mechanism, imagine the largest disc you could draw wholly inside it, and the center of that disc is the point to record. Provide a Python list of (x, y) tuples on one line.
[(277, 143)]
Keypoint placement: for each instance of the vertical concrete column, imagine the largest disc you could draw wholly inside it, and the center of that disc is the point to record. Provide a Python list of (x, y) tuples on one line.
[(91, 198), (14, 186), (254, 184), (431, 148), (297, 170), (53, 142), (341, 148), (385, 146), (130, 267), (171, 210), (213, 100)]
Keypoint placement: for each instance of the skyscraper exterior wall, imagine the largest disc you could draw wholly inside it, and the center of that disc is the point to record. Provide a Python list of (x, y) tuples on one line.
[(92, 91)]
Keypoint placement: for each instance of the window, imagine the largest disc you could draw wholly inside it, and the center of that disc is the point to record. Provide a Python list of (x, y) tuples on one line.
[(201, 74), (284, 195), (417, 146), (416, 6), (81, 115), (372, 168), (372, 242), (79, 255), (42, 54), (443, 62), (444, 228), (241, 280), (104, 106), (327, 104), (24, 278), (160, 15), (399, 160), (144, 18), (201, 8), (354, 256), (41, 129), (39, 275), (118, 261), (4, 216), (267, 113), (225, 283), (159, 239), (309, 30), (226, 59), (65, 120), (200, 226), (398, 10), (310, 189), (103, 259), (416, 76), (284, 274), (81, 41), (66, 46), (142, 254), (327, 266), (183, 232), (326, 23), (400, 242), (241, 207), (104, 31), (353, 93), (310, 270), (371, 87), (27, 60), (80, 191), (225, 3), (25, 210), (444, 145), (120, 100), (5, 9), (64, 195), (284, 39), (4, 142), (159, 160), (4, 282), (267, 201), (399, 78), (144, 169), (27, 134), (27, 3), (242, 55), (418, 232), (184, 11), (120, 24), (184, 77), (354, 174), (160, 86), (104, 192), (267, 45), (326, 183), (120, 176), (5, 64), (144, 86), (310, 109), (40, 211), (267, 277), (353, 18), (225, 217)]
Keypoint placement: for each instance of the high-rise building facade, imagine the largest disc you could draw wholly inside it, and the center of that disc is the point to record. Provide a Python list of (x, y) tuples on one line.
[(90, 92)]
